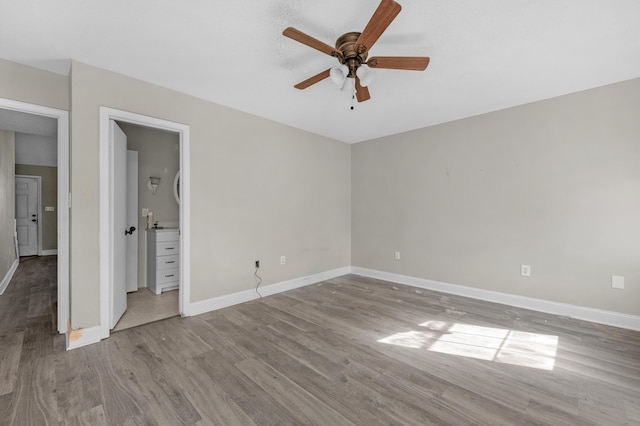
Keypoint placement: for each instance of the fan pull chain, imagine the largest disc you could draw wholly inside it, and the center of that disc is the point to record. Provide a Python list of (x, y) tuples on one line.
[(353, 94)]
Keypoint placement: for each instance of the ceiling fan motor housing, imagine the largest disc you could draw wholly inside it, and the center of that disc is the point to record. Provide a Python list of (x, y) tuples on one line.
[(346, 44)]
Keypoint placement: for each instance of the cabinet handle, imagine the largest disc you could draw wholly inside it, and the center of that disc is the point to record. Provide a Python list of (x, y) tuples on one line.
[(168, 276), (169, 248), (170, 261)]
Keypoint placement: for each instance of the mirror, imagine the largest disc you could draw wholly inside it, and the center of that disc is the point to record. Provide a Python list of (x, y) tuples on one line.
[(176, 187)]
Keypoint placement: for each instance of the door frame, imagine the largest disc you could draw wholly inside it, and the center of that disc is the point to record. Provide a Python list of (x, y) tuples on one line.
[(64, 198), (39, 201), (106, 243)]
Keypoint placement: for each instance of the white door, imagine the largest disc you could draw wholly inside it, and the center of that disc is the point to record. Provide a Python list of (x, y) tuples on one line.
[(118, 296), (132, 221), (27, 215)]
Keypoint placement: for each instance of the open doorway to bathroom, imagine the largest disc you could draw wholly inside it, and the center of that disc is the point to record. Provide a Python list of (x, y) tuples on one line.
[(153, 291), (112, 224)]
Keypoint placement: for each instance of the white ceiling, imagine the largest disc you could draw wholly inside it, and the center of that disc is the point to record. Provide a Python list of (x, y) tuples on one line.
[(22, 122), (485, 55)]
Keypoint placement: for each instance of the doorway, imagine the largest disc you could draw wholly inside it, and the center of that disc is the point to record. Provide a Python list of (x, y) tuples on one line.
[(108, 214), (152, 214), (24, 116)]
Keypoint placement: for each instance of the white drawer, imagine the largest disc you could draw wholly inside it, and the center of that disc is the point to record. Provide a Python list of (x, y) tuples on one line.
[(167, 262), (167, 236), (168, 248), (168, 275)]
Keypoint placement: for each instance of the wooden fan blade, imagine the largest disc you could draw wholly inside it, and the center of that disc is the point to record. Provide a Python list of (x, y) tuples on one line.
[(303, 38), (412, 63), (313, 80), (382, 17), (362, 93)]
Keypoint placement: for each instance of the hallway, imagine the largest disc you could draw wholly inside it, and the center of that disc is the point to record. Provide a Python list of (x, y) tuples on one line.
[(28, 339), (28, 308)]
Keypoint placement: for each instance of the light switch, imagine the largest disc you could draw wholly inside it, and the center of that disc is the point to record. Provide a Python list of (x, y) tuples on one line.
[(49, 209), (145, 212), (617, 282)]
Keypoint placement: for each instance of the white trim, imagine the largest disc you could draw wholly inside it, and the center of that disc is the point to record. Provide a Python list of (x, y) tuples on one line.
[(7, 278), (615, 319), (51, 252), (63, 189), (38, 208), (184, 207), (40, 213), (304, 281), (106, 206), (220, 302), (83, 337)]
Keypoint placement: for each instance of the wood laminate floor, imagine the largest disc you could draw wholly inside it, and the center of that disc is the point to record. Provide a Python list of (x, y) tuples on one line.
[(348, 351)]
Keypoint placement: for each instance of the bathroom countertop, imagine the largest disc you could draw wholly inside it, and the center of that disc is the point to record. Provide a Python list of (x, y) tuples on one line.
[(161, 229)]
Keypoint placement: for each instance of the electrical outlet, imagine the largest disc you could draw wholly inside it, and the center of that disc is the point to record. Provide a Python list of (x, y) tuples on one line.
[(145, 212), (283, 260), (397, 255), (617, 282), (525, 270), (49, 209), (257, 264)]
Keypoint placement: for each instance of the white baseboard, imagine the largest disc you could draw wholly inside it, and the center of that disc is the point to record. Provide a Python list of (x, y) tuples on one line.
[(615, 319), (87, 336), (83, 336), (215, 303), (7, 278), (52, 252)]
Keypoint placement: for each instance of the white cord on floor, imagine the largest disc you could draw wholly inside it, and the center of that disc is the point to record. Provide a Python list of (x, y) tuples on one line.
[(259, 279)]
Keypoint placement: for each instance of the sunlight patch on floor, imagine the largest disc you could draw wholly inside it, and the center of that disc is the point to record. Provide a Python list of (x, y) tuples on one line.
[(487, 343)]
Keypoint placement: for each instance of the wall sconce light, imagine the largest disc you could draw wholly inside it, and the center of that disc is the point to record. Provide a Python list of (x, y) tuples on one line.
[(153, 183)]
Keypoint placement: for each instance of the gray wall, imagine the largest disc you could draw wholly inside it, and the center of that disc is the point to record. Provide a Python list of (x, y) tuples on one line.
[(554, 184), (158, 156), (7, 202), (36, 150), (259, 190), (32, 85), (49, 197)]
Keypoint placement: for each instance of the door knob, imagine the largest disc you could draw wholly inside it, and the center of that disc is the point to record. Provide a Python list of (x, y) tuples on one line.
[(130, 231)]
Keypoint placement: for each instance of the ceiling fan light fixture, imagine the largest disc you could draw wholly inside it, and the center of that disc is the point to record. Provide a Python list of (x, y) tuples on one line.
[(339, 74), (365, 74)]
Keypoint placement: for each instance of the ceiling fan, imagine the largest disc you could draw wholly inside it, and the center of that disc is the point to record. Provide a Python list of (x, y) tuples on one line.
[(352, 50)]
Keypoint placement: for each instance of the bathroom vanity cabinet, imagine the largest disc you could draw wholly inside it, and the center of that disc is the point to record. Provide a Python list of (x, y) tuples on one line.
[(163, 259)]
